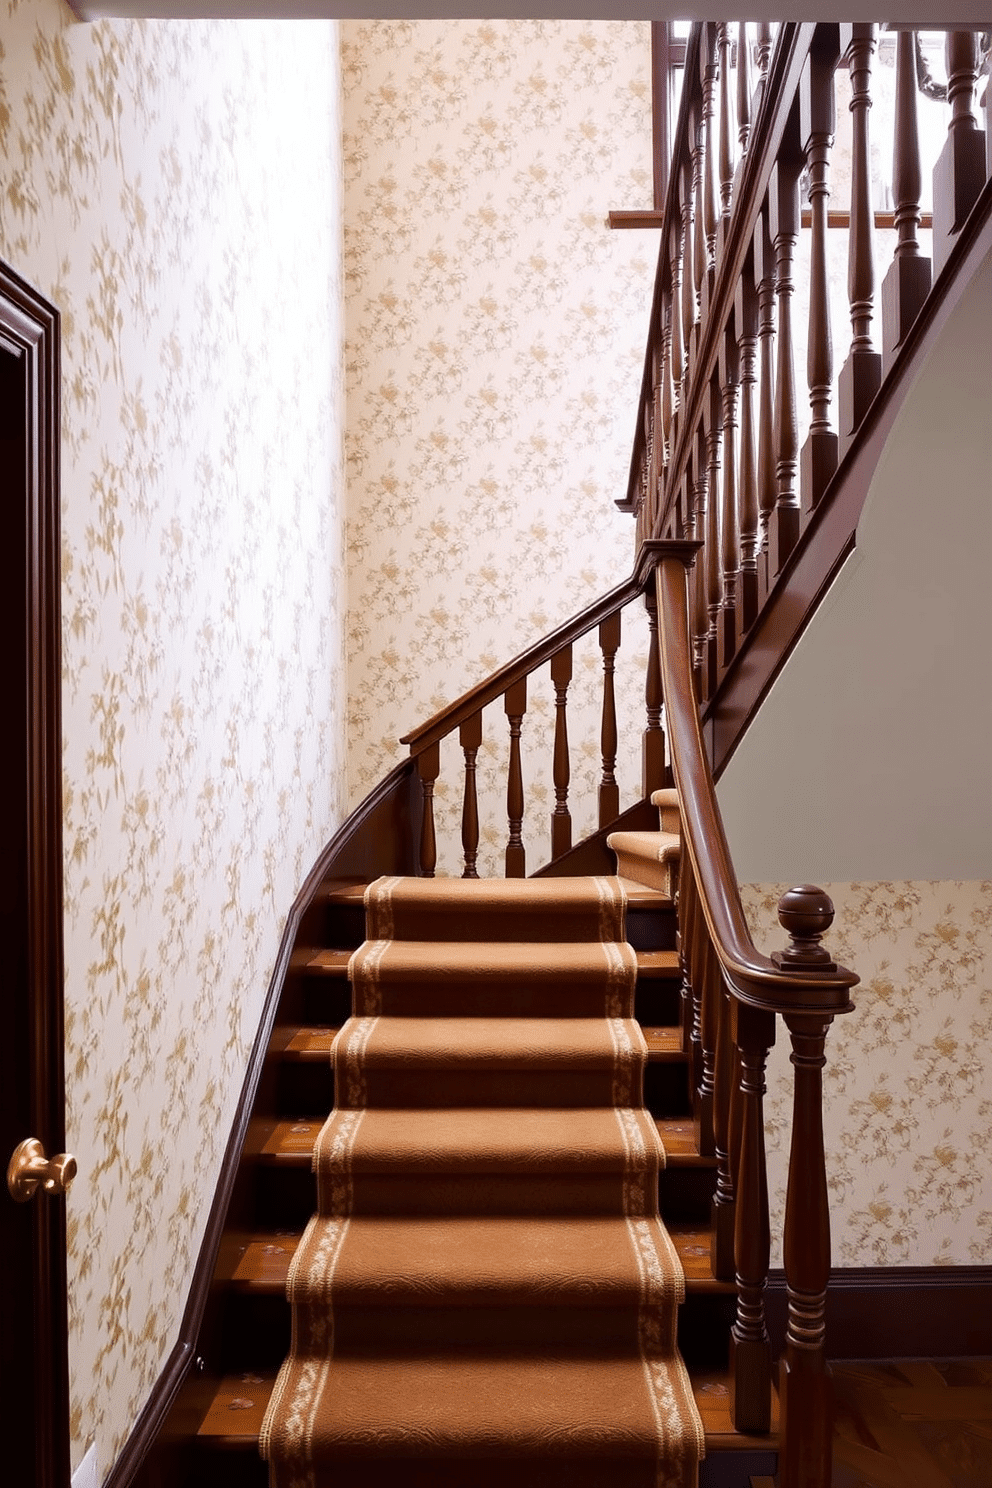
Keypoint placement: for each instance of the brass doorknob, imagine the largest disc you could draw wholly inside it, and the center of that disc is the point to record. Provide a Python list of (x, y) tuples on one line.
[(29, 1169)]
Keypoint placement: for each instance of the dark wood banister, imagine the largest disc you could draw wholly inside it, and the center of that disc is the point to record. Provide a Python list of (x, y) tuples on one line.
[(762, 987), (443, 723), (755, 978)]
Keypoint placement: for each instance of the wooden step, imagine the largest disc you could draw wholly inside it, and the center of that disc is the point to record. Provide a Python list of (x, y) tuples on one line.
[(290, 1143), (260, 1263), (234, 1416), (679, 1137), (314, 961), (312, 1045)]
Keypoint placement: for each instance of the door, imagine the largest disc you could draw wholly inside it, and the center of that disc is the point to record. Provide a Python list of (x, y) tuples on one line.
[(34, 1391)]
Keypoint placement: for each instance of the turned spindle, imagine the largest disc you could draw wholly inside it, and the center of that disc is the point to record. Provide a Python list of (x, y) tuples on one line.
[(561, 819), (959, 173), (817, 119), (653, 738), (861, 374), (907, 283), (750, 1349), (609, 791), (730, 524), (470, 738), (746, 317), (515, 706), (428, 769), (783, 194)]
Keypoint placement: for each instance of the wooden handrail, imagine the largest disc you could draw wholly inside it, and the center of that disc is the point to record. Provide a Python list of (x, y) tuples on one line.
[(443, 723), (755, 978), (733, 1031)]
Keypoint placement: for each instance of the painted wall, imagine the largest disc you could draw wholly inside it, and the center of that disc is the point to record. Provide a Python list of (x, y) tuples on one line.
[(495, 339), (175, 189), (867, 770)]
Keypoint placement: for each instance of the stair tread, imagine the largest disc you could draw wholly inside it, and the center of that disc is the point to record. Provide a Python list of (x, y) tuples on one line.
[(317, 961), (234, 1415), (311, 1044), (291, 1142), (352, 891), (263, 1260)]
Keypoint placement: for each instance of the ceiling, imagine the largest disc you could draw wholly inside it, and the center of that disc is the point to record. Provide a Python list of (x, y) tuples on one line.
[(920, 12)]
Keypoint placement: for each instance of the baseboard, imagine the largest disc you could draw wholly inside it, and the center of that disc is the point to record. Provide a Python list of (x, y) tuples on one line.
[(899, 1312)]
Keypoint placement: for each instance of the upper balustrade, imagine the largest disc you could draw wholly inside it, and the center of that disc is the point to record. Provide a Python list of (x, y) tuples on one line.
[(730, 448)]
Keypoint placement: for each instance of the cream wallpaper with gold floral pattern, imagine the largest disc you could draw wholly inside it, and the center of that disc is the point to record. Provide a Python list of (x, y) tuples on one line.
[(175, 189), (495, 342), (907, 1106)]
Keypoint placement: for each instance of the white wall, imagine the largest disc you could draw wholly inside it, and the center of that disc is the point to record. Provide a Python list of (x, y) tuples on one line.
[(870, 758)]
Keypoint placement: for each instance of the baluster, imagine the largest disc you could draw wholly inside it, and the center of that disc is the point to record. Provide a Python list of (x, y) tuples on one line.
[(667, 391), (712, 415), (764, 273), (743, 88), (804, 1384), (722, 1209), (653, 774), (470, 738), (711, 990), (688, 908), (818, 125), (746, 314), (784, 225), (726, 135), (750, 1350), (907, 283), (730, 522), (561, 820), (515, 706), (677, 249), (689, 222), (609, 791), (765, 40), (697, 950), (862, 372), (959, 173), (428, 769), (701, 621), (695, 244), (711, 166)]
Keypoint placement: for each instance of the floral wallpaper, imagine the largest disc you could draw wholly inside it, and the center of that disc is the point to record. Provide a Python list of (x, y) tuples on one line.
[(908, 1114), (495, 342), (175, 189)]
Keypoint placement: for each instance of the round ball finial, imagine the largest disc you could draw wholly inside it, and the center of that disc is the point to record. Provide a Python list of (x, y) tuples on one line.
[(806, 913)]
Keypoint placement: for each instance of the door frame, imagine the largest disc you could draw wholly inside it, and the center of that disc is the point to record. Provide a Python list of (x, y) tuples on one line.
[(30, 326)]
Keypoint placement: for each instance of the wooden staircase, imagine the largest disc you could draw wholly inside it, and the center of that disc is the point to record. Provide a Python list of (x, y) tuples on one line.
[(211, 1434)]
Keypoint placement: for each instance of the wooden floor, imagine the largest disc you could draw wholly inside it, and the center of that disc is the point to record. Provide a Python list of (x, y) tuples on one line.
[(924, 1424)]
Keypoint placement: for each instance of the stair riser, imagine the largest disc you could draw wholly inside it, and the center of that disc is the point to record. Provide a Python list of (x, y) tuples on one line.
[(491, 1088), (593, 1332), (257, 1329), (488, 1193)]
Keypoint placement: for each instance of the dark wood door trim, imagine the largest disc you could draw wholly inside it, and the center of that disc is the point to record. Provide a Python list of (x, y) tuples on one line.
[(29, 326)]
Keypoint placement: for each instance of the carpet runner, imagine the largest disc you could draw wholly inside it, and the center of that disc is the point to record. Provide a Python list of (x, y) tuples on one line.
[(486, 1296)]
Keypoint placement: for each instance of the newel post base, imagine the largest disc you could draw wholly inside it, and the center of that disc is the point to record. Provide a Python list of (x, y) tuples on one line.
[(806, 1420)]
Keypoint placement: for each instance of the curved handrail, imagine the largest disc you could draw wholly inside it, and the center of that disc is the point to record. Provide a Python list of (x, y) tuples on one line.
[(441, 724), (754, 978)]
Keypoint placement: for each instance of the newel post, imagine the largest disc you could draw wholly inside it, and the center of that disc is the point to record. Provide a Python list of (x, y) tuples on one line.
[(804, 1381)]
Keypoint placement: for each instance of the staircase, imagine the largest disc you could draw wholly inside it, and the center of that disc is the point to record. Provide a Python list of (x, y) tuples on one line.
[(211, 1436), (740, 528)]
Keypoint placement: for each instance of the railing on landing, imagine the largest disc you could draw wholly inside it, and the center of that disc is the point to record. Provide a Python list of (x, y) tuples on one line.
[(716, 455), (510, 684)]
